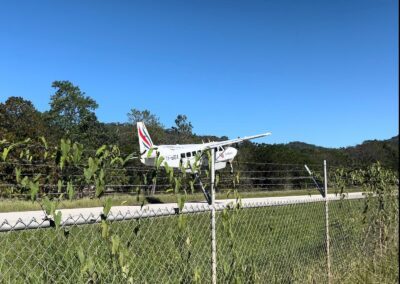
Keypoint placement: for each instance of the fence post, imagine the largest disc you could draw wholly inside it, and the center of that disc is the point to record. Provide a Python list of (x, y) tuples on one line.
[(328, 258), (213, 228)]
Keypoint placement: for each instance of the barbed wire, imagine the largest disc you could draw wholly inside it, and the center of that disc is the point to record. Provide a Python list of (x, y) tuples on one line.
[(140, 167)]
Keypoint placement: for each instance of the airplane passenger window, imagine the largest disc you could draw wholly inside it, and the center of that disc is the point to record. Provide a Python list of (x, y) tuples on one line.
[(194, 153), (182, 155), (188, 154)]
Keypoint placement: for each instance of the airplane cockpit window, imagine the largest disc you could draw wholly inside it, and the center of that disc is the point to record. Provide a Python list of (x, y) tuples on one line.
[(188, 154), (182, 155)]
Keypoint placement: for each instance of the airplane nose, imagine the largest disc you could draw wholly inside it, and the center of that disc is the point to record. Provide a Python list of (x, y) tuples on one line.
[(233, 151)]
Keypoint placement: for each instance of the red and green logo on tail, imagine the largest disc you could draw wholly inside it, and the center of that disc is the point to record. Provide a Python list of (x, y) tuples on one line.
[(147, 143)]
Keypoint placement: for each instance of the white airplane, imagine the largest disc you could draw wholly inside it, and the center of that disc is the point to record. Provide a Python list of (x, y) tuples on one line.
[(188, 155), (177, 155)]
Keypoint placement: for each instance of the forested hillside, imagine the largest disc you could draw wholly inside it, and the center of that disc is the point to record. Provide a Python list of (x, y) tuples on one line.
[(72, 115), (384, 151)]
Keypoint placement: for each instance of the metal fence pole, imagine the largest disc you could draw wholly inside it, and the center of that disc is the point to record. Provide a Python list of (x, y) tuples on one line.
[(328, 258), (213, 228)]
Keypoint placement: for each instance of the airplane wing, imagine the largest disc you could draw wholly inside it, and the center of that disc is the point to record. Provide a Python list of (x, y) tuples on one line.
[(211, 145)]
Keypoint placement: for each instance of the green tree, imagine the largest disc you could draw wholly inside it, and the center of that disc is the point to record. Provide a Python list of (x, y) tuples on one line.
[(145, 116), (72, 114), (19, 119), (183, 126)]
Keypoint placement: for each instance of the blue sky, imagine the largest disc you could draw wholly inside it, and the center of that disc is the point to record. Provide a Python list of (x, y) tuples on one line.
[(322, 72)]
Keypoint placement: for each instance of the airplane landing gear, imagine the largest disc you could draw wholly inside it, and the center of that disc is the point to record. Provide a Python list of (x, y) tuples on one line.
[(230, 164)]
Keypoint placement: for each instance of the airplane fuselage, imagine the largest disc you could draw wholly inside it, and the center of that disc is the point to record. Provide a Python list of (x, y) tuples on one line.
[(187, 155)]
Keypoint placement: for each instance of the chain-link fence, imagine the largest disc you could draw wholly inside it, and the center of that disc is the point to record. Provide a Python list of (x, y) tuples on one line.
[(270, 241)]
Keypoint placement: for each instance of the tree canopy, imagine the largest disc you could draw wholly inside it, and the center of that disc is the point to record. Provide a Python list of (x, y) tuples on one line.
[(19, 119), (145, 116), (72, 115), (70, 110), (183, 126)]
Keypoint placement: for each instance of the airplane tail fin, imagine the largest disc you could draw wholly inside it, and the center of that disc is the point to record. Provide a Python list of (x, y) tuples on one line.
[(145, 142)]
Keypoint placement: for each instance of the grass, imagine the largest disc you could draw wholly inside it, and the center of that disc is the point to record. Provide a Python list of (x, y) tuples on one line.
[(280, 244), (12, 205)]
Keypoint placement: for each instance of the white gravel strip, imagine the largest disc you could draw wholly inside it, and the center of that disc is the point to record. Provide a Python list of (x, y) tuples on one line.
[(35, 219)]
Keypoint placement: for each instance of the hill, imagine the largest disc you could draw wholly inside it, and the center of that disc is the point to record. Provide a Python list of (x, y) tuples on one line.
[(384, 151)]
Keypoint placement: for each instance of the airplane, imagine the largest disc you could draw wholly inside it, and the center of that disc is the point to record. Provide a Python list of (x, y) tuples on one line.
[(187, 155)]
